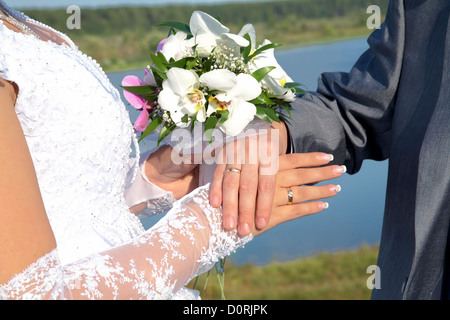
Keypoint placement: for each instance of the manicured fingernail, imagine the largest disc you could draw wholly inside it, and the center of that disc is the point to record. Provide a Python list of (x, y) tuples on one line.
[(244, 229), (336, 188), (328, 157), (229, 223), (261, 223), (324, 205), (341, 169)]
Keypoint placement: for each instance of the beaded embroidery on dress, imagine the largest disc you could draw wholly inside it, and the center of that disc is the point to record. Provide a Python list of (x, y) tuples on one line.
[(80, 139)]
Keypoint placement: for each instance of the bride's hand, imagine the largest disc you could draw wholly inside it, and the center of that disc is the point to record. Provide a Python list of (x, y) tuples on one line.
[(295, 172), (162, 171)]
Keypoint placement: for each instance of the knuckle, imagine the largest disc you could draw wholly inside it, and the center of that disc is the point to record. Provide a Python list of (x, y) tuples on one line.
[(300, 176), (266, 186), (246, 214), (248, 186)]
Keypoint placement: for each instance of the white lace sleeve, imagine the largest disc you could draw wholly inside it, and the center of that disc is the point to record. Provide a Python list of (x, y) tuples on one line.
[(185, 243), (142, 190)]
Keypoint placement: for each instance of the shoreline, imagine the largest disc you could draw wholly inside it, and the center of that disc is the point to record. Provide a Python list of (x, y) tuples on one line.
[(323, 41)]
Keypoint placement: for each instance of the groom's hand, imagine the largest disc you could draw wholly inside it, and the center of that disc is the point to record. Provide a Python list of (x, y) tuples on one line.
[(245, 182), (294, 198), (180, 179)]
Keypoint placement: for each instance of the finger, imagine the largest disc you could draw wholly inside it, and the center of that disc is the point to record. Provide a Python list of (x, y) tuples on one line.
[(286, 213), (306, 193), (309, 175), (264, 202), (247, 198), (215, 193), (230, 196), (268, 168), (304, 160)]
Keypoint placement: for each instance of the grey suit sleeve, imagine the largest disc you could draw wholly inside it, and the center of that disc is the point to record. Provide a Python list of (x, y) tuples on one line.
[(350, 115)]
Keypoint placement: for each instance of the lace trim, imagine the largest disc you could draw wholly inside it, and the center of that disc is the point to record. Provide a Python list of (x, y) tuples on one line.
[(221, 243), (36, 281), (157, 206)]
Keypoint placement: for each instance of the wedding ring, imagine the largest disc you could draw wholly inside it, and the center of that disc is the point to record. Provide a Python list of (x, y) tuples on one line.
[(233, 170), (290, 196)]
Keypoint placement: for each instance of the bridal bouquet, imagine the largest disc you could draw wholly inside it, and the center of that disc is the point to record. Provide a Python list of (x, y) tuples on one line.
[(204, 74)]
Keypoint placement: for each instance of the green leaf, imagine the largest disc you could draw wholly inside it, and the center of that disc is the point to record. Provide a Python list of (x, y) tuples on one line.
[(287, 108), (159, 62), (151, 127), (262, 73), (177, 64), (140, 90), (223, 116), (162, 58), (293, 85), (263, 99), (271, 114), (185, 118), (159, 76), (247, 50), (263, 48), (176, 25), (260, 113), (210, 124), (267, 114), (191, 63), (207, 64), (298, 90), (165, 131)]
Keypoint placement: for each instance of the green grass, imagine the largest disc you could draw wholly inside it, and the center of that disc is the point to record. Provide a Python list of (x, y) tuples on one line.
[(326, 276)]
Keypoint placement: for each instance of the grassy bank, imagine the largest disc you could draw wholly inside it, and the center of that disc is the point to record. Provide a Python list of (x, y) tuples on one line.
[(326, 276)]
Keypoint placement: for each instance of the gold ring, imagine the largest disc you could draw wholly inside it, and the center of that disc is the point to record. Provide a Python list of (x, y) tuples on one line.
[(290, 196), (233, 170)]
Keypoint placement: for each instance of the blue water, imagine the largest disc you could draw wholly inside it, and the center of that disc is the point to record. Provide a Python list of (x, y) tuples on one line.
[(355, 215)]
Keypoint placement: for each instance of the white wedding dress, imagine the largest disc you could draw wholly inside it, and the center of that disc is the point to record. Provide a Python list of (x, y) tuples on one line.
[(80, 139)]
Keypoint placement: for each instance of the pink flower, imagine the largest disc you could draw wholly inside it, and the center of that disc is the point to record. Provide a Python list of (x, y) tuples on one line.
[(142, 121), (138, 102), (161, 45), (135, 100)]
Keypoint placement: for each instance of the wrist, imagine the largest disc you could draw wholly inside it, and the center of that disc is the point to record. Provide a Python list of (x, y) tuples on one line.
[(161, 171), (282, 136)]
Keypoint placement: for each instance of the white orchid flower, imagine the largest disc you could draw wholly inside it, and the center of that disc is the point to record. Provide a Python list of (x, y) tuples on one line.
[(235, 92), (209, 33), (277, 78), (181, 95), (176, 46), (250, 30)]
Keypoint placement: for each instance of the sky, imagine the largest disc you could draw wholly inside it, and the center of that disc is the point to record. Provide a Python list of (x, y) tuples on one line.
[(42, 4)]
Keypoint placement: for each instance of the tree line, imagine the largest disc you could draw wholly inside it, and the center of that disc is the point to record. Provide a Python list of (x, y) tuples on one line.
[(114, 20)]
